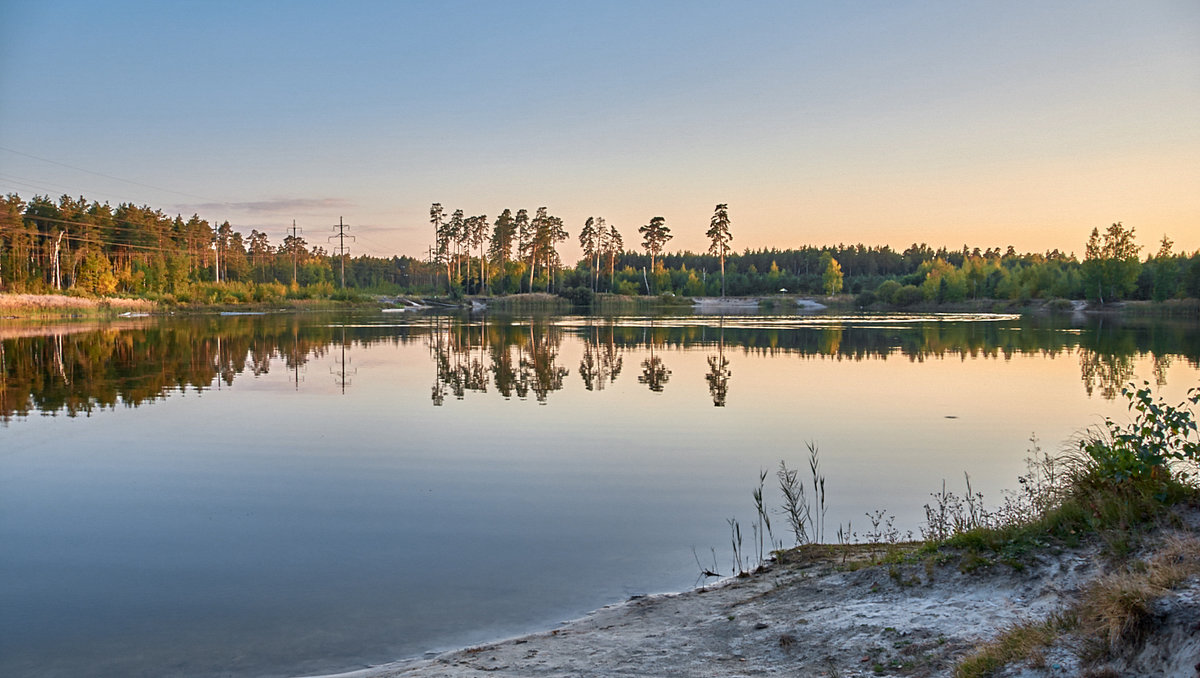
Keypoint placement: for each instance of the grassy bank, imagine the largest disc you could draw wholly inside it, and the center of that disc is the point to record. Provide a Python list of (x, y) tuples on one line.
[(210, 297), (534, 302), (61, 305), (51, 306), (1171, 308)]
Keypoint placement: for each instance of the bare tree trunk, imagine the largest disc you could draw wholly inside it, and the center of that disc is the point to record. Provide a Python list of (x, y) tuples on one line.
[(722, 275), (57, 265)]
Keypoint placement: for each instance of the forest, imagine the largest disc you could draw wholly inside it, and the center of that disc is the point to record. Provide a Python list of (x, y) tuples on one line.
[(75, 246)]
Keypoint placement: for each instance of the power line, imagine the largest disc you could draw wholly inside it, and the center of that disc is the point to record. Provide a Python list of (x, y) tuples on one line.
[(116, 225), (25, 181), (106, 176), (96, 241)]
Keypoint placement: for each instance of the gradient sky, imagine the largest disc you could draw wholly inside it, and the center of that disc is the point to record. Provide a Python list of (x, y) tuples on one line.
[(984, 123)]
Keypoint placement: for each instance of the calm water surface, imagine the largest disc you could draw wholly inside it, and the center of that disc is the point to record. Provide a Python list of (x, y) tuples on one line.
[(281, 495)]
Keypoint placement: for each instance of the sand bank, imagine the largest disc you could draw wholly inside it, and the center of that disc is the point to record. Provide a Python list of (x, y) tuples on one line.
[(816, 617)]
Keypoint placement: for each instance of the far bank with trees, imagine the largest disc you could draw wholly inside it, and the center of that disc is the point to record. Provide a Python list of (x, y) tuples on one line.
[(73, 246)]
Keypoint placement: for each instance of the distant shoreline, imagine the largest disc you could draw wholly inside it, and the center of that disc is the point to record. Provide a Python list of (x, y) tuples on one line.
[(63, 306)]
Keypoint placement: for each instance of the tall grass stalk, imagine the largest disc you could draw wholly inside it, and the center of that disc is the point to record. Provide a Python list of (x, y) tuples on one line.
[(735, 538), (795, 504), (764, 520), (818, 521), (806, 516)]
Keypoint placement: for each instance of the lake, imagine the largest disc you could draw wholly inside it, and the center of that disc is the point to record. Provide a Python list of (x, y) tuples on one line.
[(283, 494)]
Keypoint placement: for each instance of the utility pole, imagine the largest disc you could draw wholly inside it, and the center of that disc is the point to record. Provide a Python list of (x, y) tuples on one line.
[(341, 248), (217, 249), (295, 252)]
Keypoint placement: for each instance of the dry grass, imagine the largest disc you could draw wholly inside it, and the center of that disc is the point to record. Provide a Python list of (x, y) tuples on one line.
[(56, 304), (528, 301), (1116, 609), (1021, 642), (1114, 612)]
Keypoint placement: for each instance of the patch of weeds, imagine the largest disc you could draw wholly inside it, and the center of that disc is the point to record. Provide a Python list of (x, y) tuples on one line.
[(930, 567), (1015, 563), (897, 575), (973, 561)]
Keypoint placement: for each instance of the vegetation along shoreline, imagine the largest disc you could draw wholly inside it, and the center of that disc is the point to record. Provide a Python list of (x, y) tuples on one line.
[(64, 306), (93, 250)]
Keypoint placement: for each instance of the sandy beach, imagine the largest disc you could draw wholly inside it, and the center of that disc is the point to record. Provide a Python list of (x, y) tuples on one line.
[(816, 616), (744, 304)]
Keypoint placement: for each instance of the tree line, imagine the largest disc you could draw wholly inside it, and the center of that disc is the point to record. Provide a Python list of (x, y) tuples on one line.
[(73, 245)]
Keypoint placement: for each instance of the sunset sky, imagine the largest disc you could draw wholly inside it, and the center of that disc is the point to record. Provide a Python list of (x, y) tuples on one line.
[(984, 123)]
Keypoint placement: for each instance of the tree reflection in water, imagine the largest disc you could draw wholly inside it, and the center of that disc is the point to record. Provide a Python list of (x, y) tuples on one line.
[(601, 362), (654, 373), (76, 368), (718, 371)]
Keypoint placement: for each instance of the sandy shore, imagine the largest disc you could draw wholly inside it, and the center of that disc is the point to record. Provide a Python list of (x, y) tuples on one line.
[(794, 619), (816, 616), (744, 304)]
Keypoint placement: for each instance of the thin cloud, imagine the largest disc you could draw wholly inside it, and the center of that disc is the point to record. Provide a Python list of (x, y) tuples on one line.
[(280, 206)]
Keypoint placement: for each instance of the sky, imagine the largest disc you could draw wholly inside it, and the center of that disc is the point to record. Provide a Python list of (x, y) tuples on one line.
[(883, 123)]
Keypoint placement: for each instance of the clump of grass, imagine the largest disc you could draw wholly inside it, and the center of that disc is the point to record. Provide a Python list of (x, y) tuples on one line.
[(1024, 641), (1117, 609)]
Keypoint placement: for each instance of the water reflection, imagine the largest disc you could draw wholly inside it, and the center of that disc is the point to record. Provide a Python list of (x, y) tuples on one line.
[(522, 359), (655, 374), (601, 362), (718, 370), (77, 369)]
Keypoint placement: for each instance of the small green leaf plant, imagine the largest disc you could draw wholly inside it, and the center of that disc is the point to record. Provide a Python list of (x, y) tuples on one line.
[(1158, 437)]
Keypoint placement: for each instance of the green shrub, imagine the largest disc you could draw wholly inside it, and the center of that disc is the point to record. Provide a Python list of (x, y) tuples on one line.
[(1060, 305), (270, 292), (1158, 436), (579, 296), (886, 292), (908, 295)]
